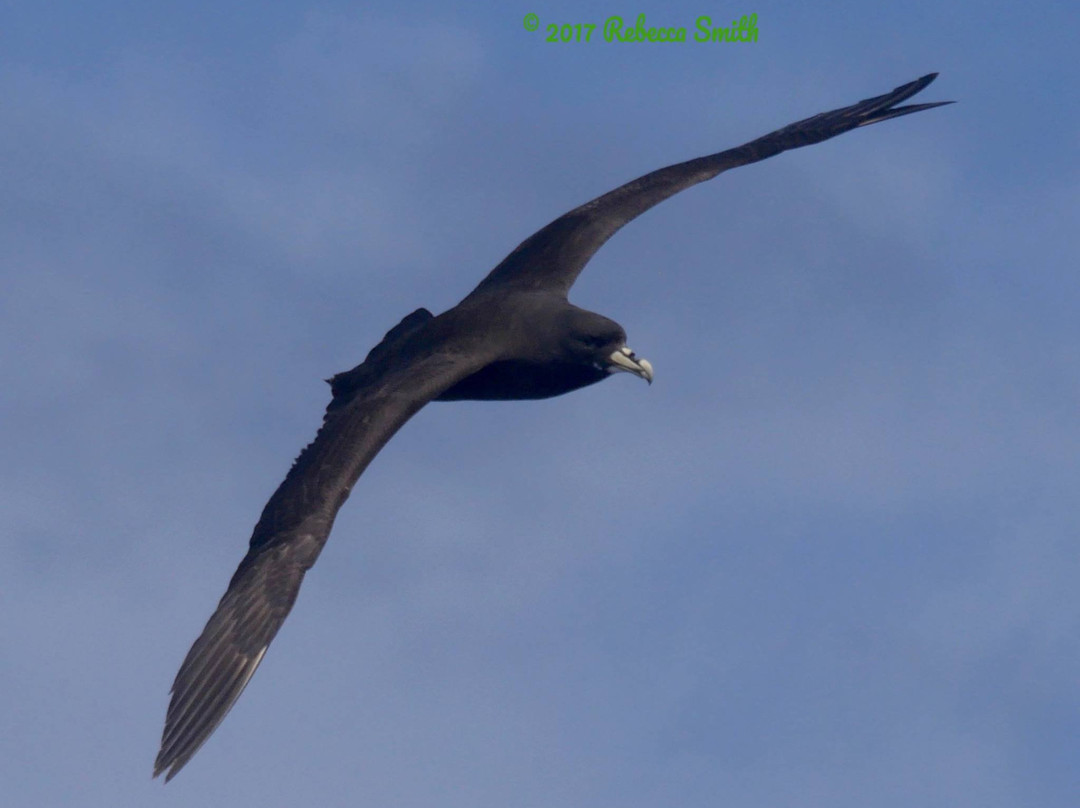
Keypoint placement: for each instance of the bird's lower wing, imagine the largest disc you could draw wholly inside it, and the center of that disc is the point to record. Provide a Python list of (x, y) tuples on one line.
[(290, 534), (553, 257), (224, 658)]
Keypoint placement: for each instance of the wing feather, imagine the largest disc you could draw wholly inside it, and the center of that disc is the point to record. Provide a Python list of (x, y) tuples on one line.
[(288, 538), (553, 257)]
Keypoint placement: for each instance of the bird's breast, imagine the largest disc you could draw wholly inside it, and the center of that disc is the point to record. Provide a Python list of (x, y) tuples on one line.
[(517, 380)]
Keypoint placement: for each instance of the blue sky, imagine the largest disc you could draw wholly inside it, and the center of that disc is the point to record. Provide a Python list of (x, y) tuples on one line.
[(827, 559)]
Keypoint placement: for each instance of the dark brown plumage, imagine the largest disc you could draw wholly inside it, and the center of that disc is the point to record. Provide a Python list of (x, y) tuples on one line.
[(514, 337)]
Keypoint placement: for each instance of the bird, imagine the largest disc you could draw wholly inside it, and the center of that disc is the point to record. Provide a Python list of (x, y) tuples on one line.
[(516, 336)]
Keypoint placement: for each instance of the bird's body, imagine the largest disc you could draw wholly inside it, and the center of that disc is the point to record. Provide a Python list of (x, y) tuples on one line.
[(516, 336)]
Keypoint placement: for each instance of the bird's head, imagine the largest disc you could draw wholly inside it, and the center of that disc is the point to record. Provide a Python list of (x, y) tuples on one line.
[(601, 342)]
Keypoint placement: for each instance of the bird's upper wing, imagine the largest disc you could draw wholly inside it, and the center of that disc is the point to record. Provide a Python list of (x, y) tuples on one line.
[(553, 257), (290, 534)]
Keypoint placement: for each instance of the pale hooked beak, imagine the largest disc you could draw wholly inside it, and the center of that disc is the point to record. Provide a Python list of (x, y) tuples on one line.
[(624, 359)]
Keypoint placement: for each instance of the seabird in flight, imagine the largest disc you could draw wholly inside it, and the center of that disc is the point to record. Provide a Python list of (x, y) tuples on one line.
[(516, 336)]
